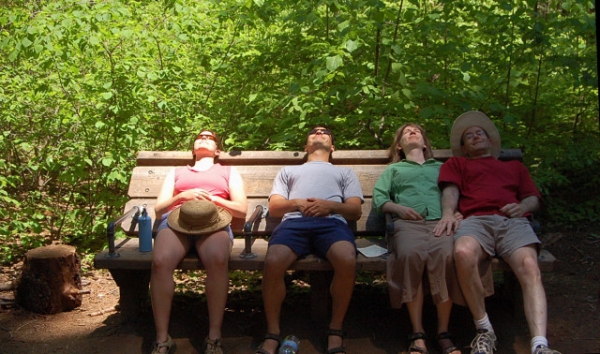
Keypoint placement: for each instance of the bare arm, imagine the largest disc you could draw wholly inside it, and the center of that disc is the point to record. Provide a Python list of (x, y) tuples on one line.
[(237, 206), (404, 212), (350, 209), (448, 222), (517, 210), (237, 203), (165, 197)]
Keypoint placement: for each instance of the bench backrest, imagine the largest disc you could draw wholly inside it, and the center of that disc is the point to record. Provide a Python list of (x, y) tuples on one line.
[(258, 169)]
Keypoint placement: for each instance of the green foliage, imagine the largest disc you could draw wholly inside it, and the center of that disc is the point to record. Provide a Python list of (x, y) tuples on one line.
[(85, 85), (568, 177)]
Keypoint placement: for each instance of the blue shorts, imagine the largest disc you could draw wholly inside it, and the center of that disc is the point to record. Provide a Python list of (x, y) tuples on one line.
[(311, 235), (164, 225)]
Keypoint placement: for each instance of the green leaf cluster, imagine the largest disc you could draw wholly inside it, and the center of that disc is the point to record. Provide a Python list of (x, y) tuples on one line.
[(85, 85)]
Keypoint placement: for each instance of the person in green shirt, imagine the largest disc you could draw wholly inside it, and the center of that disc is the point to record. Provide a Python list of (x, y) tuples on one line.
[(408, 190)]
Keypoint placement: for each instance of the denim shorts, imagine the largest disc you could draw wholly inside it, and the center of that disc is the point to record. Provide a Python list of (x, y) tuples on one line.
[(311, 235)]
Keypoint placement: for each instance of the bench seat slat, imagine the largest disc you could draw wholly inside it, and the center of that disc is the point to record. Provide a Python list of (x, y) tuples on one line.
[(370, 224), (146, 181), (129, 257)]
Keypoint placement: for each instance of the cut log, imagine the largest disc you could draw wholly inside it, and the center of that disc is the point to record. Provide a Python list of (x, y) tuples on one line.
[(50, 281), (6, 286)]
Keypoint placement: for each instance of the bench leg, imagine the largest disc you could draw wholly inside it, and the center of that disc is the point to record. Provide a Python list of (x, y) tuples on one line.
[(319, 295), (133, 290)]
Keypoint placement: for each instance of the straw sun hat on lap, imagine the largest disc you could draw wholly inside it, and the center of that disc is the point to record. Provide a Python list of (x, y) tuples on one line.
[(198, 217)]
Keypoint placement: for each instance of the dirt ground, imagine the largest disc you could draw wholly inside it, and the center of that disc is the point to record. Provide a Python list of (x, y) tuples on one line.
[(372, 326)]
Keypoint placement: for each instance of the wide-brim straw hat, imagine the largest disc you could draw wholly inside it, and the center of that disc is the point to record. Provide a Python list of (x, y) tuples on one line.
[(198, 217), (467, 120)]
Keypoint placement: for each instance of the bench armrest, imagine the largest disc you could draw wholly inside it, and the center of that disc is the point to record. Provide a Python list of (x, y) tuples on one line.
[(259, 213), (110, 230)]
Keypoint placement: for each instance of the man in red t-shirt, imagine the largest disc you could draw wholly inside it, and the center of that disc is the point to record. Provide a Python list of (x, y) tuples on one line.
[(495, 198)]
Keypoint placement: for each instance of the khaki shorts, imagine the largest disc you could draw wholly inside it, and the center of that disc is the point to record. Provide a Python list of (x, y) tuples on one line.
[(498, 235), (418, 257)]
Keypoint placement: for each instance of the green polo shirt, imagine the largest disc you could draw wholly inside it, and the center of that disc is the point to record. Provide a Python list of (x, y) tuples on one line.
[(413, 185)]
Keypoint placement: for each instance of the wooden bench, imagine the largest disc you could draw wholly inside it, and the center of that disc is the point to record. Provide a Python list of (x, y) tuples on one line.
[(131, 269)]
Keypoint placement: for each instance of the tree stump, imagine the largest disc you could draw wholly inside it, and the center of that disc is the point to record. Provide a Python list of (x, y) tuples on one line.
[(50, 280)]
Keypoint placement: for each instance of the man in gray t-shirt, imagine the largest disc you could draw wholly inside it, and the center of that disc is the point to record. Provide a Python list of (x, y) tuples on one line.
[(314, 200)]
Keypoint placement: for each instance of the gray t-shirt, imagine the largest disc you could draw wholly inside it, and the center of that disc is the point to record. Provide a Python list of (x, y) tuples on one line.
[(316, 179)]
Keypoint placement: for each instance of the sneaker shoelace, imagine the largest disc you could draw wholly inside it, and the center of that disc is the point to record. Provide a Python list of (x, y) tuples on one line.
[(542, 349), (483, 343)]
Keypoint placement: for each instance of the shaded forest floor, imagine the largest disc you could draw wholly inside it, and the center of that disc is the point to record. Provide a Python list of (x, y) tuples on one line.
[(372, 326)]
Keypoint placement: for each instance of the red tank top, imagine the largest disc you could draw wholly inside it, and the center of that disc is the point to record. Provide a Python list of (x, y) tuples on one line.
[(215, 180)]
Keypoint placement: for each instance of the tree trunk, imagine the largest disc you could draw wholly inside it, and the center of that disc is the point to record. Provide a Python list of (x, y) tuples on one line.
[(50, 280)]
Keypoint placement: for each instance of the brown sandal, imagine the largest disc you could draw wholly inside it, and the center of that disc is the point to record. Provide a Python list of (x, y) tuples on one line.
[(412, 347), (271, 336), (340, 333), (213, 346), (446, 336), (169, 344)]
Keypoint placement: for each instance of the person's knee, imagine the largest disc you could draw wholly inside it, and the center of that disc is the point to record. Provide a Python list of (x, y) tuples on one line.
[(216, 261), (277, 260), (344, 261), (529, 269), (464, 253), (162, 263), (342, 255)]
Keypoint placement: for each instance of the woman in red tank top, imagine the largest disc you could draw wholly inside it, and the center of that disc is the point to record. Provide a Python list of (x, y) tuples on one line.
[(206, 180)]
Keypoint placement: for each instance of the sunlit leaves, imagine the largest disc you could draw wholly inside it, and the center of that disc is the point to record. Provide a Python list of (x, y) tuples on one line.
[(334, 62), (84, 85)]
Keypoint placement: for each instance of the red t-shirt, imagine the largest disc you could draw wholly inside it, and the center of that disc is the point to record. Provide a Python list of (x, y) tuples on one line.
[(215, 181), (487, 184)]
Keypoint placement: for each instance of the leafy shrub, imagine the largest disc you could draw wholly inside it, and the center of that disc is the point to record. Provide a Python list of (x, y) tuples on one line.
[(568, 178)]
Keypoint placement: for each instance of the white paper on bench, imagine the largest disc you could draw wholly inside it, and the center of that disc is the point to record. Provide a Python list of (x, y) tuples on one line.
[(372, 251)]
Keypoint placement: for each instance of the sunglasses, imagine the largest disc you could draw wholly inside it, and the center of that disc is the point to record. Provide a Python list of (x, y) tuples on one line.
[(206, 137), (322, 131)]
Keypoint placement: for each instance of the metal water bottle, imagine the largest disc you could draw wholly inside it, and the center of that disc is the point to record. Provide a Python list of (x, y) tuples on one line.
[(290, 345), (145, 231)]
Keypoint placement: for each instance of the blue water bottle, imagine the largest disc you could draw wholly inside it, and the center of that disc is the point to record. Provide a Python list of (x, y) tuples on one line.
[(290, 345), (145, 231)]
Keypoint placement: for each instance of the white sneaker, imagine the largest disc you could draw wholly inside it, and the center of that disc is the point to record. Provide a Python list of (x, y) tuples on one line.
[(484, 342), (542, 349)]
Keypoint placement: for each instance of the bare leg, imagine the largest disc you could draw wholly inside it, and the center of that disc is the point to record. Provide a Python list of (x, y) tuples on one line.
[(277, 261), (444, 309), (169, 249), (524, 264), (467, 255), (415, 312), (214, 252), (343, 260)]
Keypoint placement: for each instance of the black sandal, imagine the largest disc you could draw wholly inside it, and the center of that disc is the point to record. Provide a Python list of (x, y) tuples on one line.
[(271, 336), (339, 333), (412, 347), (449, 349)]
